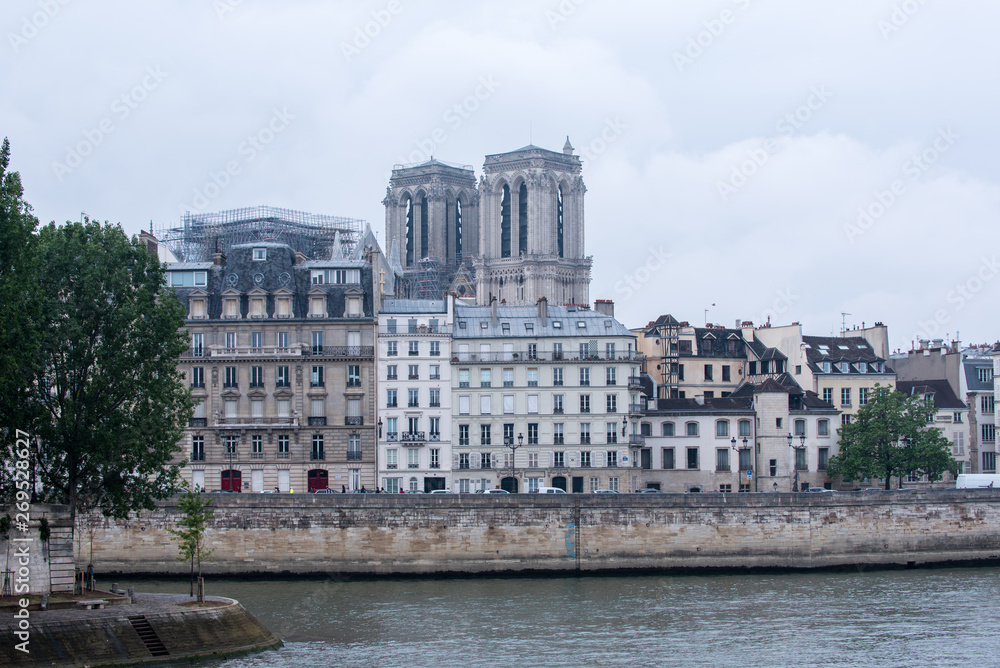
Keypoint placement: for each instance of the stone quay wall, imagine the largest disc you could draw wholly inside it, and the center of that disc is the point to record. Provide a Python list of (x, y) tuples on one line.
[(409, 534)]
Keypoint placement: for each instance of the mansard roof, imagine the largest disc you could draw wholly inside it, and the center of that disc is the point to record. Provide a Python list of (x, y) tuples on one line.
[(712, 342), (480, 323), (940, 390), (764, 353)]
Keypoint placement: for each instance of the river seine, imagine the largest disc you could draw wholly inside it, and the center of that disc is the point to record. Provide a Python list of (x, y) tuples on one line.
[(921, 617)]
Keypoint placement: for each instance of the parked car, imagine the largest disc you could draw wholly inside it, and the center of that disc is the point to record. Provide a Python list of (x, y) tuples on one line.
[(551, 490), (604, 491), (818, 489), (494, 491), (440, 491), (324, 490), (650, 490)]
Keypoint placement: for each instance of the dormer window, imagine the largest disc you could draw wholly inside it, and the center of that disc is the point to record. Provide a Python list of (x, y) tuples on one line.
[(197, 309), (354, 307), (317, 306), (826, 367), (845, 367), (557, 324), (231, 308), (283, 307), (259, 254)]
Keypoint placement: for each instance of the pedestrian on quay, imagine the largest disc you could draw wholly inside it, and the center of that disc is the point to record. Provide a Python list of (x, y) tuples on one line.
[(343, 489)]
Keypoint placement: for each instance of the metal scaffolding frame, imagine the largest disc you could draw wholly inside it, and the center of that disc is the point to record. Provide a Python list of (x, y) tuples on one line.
[(199, 235)]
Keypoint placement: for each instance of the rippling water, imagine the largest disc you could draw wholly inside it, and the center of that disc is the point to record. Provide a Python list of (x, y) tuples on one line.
[(924, 617)]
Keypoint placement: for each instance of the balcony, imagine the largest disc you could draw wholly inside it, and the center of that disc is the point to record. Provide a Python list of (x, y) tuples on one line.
[(354, 420), (317, 422), (256, 455), (283, 455), (412, 437), (557, 411), (634, 383), (198, 422), (636, 409), (392, 436), (559, 439), (636, 439), (435, 437), (347, 351), (522, 356), (354, 455), (317, 456), (238, 422), (246, 351)]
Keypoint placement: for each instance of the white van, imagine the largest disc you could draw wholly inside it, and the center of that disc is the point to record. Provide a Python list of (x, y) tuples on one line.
[(975, 480), (551, 490)]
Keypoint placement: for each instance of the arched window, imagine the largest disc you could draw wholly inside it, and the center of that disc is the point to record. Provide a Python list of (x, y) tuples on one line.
[(458, 228), (413, 484), (668, 428), (424, 228), (505, 222), (745, 428), (692, 428), (522, 220), (559, 219), (823, 427), (409, 231), (800, 427), (722, 428)]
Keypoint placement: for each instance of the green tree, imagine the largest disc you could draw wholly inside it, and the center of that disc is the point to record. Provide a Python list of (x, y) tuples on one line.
[(191, 532), (18, 306), (107, 402), (889, 436)]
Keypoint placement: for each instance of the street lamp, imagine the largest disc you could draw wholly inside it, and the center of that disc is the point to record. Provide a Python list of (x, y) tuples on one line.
[(233, 444), (509, 444), (739, 451), (624, 425), (795, 468), (380, 427)]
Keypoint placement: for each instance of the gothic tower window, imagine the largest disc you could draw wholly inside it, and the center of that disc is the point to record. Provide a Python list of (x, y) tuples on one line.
[(424, 227), (559, 220), (458, 228), (505, 222), (522, 219), (409, 231)]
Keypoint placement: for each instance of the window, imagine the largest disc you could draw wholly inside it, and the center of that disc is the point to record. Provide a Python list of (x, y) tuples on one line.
[(283, 446), (612, 458), (801, 464), (256, 376), (667, 428), (557, 404), (532, 460), (181, 279), (956, 418), (772, 466), (284, 408), (708, 373), (390, 372), (862, 396), (413, 398), (463, 434), (230, 379), (557, 376), (230, 444), (197, 345), (435, 373), (585, 433), (557, 348), (745, 428), (668, 458), (584, 350), (435, 399), (435, 349), (745, 460), (612, 403), (485, 460), (824, 459), (435, 456), (532, 433), (413, 458), (413, 371), (585, 459), (485, 404), (800, 427), (726, 377), (197, 448), (256, 446), (532, 377), (989, 432), (828, 395), (508, 404), (722, 459), (559, 460), (985, 375), (558, 436), (281, 377), (845, 419), (508, 378), (391, 349), (823, 427), (987, 403), (989, 462), (778, 422), (391, 458), (485, 378), (198, 376), (612, 432), (691, 428), (584, 403), (845, 396), (584, 376), (485, 438), (390, 399), (317, 377), (414, 348), (508, 434), (680, 372), (463, 377), (256, 408), (692, 458), (463, 460), (610, 376), (532, 347), (722, 428), (317, 448)]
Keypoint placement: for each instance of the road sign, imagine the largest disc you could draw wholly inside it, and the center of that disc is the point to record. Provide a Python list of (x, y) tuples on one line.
[(749, 474)]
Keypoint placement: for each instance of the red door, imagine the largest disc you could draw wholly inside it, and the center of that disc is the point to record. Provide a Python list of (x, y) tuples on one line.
[(232, 481), (318, 479)]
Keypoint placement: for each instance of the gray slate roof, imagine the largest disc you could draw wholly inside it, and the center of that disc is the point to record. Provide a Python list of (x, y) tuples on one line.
[(475, 317)]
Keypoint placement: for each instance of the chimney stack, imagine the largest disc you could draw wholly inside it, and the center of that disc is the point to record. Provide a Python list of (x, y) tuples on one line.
[(218, 259), (605, 307), (543, 310)]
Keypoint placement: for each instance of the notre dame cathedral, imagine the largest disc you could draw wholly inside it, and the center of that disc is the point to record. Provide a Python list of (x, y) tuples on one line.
[(515, 237)]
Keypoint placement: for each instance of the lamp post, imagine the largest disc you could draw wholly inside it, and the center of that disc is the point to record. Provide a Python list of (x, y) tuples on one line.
[(379, 428), (510, 445), (795, 468), (739, 464), (233, 444)]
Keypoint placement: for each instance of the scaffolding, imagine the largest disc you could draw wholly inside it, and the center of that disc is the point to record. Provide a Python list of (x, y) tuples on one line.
[(201, 234), (432, 278)]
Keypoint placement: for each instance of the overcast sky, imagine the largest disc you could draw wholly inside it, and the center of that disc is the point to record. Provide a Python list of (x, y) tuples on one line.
[(756, 158)]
